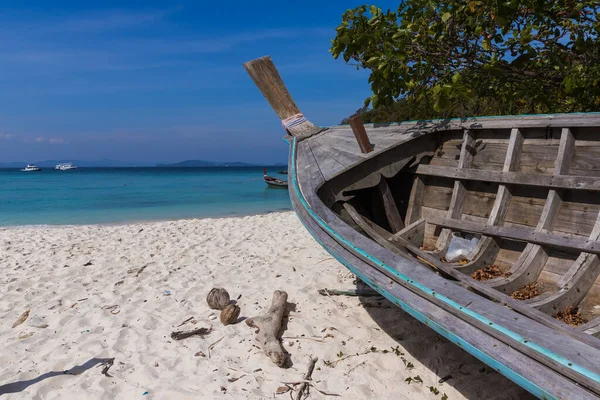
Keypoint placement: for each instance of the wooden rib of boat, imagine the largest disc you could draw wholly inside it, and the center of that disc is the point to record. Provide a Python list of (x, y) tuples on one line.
[(387, 201), (274, 182)]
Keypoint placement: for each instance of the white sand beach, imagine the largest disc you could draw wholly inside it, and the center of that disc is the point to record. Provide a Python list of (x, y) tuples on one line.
[(99, 292)]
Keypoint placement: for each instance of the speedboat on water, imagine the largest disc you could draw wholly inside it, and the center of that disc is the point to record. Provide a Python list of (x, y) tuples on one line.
[(65, 166), (31, 168)]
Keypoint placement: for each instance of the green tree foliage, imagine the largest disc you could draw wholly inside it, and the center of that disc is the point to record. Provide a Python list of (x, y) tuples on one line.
[(464, 58)]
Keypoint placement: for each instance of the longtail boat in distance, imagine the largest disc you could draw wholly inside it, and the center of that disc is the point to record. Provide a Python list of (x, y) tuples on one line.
[(274, 182), (485, 229)]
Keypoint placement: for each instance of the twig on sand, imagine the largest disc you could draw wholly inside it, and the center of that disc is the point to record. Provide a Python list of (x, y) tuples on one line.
[(213, 345), (140, 270), (186, 334), (107, 364), (325, 259), (370, 350), (185, 322), (21, 319), (306, 383), (114, 309), (353, 368), (303, 337), (352, 292), (342, 306), (307, 377)]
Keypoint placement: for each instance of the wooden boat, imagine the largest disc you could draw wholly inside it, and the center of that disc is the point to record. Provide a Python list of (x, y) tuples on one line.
[(387, 201), (274, 182)]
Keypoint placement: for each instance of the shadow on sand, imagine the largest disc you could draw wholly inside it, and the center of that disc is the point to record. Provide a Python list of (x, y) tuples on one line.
[(468, 375), (19, 386)]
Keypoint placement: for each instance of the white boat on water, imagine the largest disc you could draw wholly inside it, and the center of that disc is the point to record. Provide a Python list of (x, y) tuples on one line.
[(65, 166), (31, 168)]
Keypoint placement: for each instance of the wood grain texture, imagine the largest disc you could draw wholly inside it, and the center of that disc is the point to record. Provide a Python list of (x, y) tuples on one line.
[(569, 243), (389, 206), (537, 373), (415, 201), (467, 152), (374, 231), (487, 248), (414, 233), (531, 262), (543, 334), (576, 283), (360, 134), (267, 79), (515, 178)]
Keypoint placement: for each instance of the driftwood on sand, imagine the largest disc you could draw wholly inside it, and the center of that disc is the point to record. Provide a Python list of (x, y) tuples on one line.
[(268, 326), (179, 335)]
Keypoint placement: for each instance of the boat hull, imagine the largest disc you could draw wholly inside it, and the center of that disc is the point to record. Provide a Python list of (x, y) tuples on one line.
[(277, 185), (336, 234), (387, 201)]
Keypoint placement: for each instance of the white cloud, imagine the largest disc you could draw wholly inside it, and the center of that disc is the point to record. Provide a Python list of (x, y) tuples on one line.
[(40, 139), (56, 140), (6, 136)]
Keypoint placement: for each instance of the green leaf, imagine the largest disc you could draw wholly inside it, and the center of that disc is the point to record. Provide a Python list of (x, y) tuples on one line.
[(375, 100), (486, 45), (568, 82), (456, 77), (372, 60), (345, 39), (446, 17), (373, 10)]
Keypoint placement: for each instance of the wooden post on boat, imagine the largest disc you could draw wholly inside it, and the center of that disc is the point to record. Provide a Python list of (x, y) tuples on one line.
[(360, 134), (267, 79)]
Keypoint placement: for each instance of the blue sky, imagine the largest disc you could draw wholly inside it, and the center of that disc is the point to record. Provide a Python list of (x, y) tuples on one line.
[(163, 81)]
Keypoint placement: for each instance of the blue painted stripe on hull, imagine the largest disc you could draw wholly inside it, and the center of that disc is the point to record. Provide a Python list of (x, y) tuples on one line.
[(474, 351), (553, 356)]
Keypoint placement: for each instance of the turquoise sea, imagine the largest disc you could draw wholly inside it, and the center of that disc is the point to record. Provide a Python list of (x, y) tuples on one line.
[(115, 195)]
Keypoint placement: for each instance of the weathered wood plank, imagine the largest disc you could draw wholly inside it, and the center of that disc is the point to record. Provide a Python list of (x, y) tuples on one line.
[(415, 201), (517, 178), (389, 206), (566, 149), (376, 232), (571, 243), (360, 134), (592, 327), (267, 79), (577, 282), (467, 152), (327, 164), (414, 233), (556, 384), (530, 263), (544, 336), (487, 248)]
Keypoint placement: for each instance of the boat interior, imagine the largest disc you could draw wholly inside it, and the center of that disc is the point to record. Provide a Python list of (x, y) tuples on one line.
[(526, 200)]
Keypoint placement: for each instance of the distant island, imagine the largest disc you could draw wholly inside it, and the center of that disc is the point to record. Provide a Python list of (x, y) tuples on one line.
[(204, 163), (122, 164)]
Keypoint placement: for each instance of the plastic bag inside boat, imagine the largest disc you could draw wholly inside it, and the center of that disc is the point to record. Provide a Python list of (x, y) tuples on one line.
[(460, 247)]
